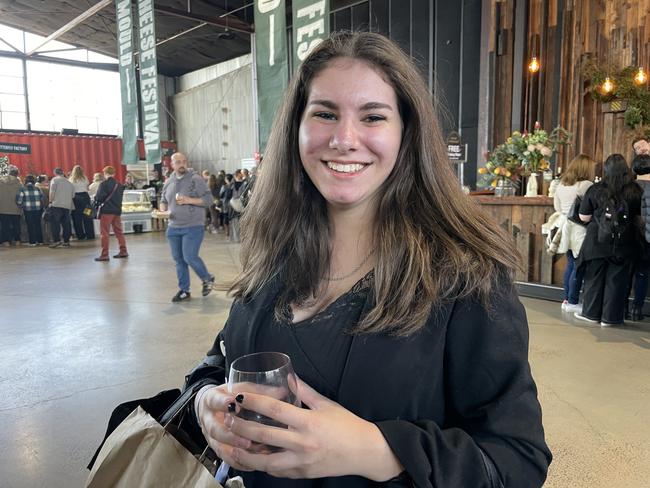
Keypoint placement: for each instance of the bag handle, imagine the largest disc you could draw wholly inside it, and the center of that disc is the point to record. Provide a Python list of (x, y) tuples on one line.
[(180, 404)]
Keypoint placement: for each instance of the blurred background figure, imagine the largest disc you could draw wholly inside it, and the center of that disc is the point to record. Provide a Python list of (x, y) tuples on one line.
[(83, 224)]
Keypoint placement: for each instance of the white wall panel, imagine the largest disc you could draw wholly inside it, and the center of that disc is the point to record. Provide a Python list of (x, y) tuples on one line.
[(209, 73), (214, 121)]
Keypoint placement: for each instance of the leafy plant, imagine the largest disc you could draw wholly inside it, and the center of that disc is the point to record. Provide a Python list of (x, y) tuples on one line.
[(637, 114)]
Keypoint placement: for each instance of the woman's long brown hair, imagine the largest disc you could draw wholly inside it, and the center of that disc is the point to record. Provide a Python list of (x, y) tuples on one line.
[(581, 168), (432, 243)]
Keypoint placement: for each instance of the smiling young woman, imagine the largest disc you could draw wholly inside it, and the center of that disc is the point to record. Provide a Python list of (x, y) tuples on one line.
[(391, 292)]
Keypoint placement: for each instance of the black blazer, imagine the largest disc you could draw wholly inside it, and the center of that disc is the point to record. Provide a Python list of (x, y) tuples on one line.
[(454, 401)]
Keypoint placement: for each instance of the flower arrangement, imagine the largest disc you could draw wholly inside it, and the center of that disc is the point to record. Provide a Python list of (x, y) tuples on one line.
[(4, 165), (523, 153)]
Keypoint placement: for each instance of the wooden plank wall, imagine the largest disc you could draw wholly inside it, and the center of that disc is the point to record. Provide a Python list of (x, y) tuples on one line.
[(615, 32)]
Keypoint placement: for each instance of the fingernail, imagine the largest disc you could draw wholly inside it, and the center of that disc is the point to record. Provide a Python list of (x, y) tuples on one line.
[(239, 398), (232, 407), (228, 420)]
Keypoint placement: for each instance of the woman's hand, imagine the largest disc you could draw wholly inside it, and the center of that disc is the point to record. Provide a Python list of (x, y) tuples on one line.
[(326, 440), (211, 411)]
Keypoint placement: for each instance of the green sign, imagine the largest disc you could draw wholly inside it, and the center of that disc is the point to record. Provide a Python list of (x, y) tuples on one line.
[(271, 61), (127, 82), (311, 25), (149, 82), (10, 147)]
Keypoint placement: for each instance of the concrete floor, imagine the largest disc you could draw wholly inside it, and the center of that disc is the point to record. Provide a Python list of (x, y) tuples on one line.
[(78, 337)]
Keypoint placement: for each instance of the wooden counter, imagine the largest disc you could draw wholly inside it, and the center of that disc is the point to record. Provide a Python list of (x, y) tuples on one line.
[(522, 217)]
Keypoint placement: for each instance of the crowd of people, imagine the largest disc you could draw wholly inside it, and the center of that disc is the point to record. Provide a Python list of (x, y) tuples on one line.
[(66, 199), (604, 230)]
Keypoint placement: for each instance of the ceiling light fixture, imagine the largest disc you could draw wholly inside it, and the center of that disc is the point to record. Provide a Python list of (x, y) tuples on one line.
[(227, 35)]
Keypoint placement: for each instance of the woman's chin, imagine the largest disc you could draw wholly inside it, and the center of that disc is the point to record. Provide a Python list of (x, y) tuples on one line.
[(345, 202)]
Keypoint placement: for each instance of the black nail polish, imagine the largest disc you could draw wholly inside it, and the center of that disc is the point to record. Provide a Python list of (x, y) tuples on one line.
[(231, 407), (239, 398)]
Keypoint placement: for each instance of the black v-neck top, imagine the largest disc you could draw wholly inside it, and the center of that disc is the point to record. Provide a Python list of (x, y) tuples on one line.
[(319, 345)]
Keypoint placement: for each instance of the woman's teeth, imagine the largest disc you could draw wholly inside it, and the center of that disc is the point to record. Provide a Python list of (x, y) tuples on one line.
[(345, 168)]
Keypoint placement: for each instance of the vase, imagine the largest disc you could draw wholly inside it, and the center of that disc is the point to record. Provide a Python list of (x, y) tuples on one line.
[(504, 188), (532, 186)]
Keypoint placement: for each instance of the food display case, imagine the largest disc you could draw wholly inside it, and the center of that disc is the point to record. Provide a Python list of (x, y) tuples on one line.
[(136, 211)]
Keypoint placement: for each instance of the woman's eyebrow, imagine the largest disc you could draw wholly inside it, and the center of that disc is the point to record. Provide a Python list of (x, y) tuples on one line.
[(324, 103), (375, 106), (366, 106)]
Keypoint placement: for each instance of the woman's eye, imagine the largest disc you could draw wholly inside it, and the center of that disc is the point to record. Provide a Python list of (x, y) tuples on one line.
[(325, 115), (374, 118)]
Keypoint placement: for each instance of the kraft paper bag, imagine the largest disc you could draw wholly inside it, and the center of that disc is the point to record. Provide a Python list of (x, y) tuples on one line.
[(140, 453)]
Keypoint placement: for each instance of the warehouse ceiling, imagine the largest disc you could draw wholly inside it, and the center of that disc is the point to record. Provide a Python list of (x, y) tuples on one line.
[(221, 38)]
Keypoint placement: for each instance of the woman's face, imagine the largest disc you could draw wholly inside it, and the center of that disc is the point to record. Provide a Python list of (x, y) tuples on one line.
[(350, 133)]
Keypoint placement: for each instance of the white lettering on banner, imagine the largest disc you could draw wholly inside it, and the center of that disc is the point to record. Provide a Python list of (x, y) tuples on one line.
[(127, 75), (304, 49), (310, 30), (265, 6), (125, 59), (146, 42), (149, 71), (148, 95), (147, 30), (148, 54), (312, 10), (145, 12), (125, 33), (272, 40)]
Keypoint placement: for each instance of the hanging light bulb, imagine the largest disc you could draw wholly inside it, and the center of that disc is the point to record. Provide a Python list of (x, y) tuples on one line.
[(533, 66), (608, 86), (641, 77)]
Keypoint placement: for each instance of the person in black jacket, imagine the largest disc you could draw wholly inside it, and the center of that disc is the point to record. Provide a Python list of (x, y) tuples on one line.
[(612, 209), (389, 289), (641, 167), (108, 201)]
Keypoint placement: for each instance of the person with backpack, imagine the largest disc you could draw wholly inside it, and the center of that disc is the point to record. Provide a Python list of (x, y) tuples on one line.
[(611, 208)]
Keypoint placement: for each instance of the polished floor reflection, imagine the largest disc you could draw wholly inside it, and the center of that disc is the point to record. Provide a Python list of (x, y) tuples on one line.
[(78, 337)]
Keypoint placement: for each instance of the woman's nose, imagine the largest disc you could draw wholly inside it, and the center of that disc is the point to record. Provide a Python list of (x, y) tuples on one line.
[(344, 137)]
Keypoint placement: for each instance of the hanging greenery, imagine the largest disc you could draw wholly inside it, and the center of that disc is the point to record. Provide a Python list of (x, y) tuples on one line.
[(637, 96)]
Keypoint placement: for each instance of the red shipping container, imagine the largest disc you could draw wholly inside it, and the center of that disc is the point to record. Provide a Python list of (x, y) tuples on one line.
[(92, 153)]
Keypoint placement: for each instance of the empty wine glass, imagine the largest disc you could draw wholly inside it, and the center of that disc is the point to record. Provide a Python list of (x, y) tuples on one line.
[(264, 373)]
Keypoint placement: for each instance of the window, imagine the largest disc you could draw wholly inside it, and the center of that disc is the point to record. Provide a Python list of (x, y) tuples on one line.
[(60, 96), (74, 98), (12, 95)]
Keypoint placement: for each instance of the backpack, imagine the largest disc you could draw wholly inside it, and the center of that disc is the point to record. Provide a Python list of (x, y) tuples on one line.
[(613, 221)]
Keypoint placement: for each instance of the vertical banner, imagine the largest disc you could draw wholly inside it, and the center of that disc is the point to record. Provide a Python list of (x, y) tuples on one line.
[(127, 81), (311, 25), (270, 61), (149, 82)]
